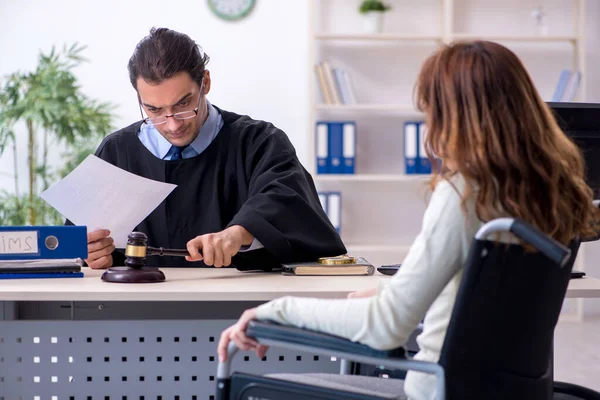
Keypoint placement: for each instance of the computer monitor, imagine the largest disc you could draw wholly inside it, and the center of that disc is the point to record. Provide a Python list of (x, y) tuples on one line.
[(581, 122)]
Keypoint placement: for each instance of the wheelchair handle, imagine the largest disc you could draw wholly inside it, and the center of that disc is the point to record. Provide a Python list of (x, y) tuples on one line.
[(551, 248)]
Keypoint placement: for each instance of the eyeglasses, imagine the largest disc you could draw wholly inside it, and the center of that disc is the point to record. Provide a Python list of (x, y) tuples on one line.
[(180, 116)]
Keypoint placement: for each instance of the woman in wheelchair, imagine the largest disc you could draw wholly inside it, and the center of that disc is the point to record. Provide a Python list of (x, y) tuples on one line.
[(502, 154)]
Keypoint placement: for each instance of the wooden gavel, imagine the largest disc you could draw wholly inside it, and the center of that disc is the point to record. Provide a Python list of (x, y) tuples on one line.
[(134, 270), (137, 250)]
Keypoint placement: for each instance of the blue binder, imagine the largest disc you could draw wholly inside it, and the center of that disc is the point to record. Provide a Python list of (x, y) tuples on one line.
[(563, 81), (336, 145), (424, 166), (322, 147), (334, 210), (411, 147), (43, 242), (323, 199), (349, 147)]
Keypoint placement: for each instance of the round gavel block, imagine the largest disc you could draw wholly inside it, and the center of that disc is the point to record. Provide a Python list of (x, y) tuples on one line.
[(133, 275)]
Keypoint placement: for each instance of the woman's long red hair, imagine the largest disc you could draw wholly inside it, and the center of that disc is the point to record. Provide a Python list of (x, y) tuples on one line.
[(485, 117)]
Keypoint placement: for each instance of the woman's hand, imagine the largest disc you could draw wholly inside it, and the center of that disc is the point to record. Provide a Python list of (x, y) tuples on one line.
[(237, 333)]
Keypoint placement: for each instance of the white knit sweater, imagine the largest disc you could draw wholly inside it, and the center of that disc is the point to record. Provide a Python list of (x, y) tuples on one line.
[(425, 286)]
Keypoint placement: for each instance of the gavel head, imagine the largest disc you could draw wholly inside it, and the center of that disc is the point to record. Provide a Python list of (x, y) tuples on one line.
[(137, 247)]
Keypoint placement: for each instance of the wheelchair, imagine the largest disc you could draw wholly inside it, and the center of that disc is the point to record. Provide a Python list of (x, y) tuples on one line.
[(498, 345)]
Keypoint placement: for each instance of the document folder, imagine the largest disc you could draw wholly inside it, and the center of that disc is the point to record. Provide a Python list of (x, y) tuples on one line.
[(55, 265), (349, 147), (336, 147), (43, 242), (411, 147), (41, 275), (322, 148)]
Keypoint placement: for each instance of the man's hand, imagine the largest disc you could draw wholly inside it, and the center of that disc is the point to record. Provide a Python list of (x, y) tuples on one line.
[(362, 293), (237, 333), (218, 248), (100, 248)]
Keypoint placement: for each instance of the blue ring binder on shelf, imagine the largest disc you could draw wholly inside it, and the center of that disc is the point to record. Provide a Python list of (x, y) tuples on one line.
[(43, 242), (335, 147)]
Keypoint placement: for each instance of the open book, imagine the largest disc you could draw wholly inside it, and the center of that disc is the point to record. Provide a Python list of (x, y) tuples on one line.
[(360, 267)]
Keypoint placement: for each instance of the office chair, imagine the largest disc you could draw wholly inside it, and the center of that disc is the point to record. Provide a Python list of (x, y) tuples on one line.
[(498, 344)]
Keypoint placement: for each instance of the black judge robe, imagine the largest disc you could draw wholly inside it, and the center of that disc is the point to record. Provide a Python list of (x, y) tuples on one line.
[(250, 176)]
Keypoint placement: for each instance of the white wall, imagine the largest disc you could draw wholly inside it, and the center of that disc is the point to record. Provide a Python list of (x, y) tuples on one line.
[(258, 65)]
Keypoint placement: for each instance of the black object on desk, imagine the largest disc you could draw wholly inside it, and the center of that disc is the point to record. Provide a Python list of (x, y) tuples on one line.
[(389, 269), (135, 270), (577, 274)]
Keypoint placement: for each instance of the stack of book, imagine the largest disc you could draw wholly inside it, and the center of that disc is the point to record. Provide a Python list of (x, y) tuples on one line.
[(59, 268), (42, 251), (566, 88), (333, 83), (347, 265)]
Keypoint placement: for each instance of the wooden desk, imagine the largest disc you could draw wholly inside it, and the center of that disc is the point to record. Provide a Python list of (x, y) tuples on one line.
[(186, 284), (102, 339), (225, 284), (586, 287)]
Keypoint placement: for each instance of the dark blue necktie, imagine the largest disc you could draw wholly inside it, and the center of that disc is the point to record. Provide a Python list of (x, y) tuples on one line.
[(177, 150)]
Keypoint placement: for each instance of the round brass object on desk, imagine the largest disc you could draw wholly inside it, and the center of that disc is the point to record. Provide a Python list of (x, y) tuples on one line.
[(339, 260)]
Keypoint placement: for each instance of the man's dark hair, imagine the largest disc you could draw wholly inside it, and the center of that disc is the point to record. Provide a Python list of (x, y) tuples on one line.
[(163, 54)]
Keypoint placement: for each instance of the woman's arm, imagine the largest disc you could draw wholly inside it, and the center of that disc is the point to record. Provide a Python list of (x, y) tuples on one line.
[(387, 319)]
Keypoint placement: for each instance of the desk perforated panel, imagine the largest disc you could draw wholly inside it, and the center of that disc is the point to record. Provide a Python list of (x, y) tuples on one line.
[(126, 360)]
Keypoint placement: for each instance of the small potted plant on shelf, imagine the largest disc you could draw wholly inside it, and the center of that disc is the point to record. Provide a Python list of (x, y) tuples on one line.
[(372, 11)]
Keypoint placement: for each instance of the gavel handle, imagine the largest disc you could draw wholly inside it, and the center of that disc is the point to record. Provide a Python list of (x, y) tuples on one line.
[(160, 251)]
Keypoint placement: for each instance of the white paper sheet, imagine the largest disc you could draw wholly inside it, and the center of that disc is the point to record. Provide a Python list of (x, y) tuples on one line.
[(101, 196)]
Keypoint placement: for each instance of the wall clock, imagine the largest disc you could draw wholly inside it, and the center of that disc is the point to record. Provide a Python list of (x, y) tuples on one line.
[(231, 10)]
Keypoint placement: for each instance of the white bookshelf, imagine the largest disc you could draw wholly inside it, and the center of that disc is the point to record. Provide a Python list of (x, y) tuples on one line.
[(370, 178), (387, 108), (384, 68), (378, 37), (515, 38)]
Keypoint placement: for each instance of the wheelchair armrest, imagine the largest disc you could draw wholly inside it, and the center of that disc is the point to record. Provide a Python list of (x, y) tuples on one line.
[(271, 334), (267, 330), (575, 390)]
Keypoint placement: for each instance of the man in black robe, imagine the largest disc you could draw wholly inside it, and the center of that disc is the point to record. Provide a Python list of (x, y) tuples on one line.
[(242, 196)]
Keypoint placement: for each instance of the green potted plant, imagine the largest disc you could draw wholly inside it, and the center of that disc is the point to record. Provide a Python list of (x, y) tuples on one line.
[(48, 108), (372, 12)]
